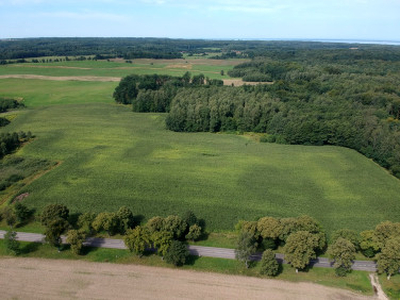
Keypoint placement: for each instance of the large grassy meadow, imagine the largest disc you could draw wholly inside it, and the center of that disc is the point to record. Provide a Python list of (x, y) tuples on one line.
[(111, 157)]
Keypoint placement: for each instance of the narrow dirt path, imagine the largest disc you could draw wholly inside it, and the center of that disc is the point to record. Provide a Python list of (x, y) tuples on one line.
[(380, 294)]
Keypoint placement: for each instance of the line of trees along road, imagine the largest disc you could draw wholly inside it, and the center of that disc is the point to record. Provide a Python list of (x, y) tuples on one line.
[(302, 238)]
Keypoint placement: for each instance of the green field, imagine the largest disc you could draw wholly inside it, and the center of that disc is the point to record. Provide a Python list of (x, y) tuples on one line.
[(178, 67), (111, 157)]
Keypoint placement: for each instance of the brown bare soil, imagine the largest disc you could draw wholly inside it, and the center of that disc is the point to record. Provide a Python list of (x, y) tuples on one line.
[(62, 78), (28, 278), (240, 82)]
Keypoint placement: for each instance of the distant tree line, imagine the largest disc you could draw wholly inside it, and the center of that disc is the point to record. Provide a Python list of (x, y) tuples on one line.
[(130, 48)]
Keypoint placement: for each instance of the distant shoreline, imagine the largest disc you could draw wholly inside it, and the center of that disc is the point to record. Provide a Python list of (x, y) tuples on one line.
[(339, 41)]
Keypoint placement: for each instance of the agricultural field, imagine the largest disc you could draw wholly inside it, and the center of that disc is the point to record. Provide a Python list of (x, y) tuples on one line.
[(109, 156), (119, 68)]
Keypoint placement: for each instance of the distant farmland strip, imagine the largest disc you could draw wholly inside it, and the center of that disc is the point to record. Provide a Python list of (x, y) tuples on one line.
[(62, 78)]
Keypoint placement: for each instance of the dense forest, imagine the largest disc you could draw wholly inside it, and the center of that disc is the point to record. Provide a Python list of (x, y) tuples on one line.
[(154, 93), (345, 97), (130, 48)]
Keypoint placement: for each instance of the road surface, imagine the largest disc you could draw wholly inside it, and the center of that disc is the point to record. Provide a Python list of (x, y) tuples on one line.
[(320, 262)]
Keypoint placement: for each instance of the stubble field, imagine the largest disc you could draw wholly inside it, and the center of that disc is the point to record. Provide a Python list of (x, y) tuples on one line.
[(58, 279)]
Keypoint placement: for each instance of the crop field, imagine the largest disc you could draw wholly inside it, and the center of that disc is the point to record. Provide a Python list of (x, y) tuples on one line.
[(118, 68), (110, 156)]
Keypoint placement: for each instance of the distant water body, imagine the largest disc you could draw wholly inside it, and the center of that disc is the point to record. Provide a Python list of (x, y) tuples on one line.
[(397, 43), (377, 42)]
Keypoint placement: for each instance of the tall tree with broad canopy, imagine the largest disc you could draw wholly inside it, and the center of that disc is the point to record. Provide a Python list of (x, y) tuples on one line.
[(389, 259), (343, 252), (300, 248)]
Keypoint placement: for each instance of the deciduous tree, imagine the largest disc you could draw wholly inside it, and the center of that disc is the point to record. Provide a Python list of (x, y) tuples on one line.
[(137, 240), (85, 221), (269, 227), (175, 225), (11, 242), (300, 248), (76, 238), (106, 221), (52, 212), (126, 219), (389, 259), (162, 241), (348, 234), (177, 253), (269, 265), (246, 246), (342, 251), (155, 224), (54, 230), (194, 232)]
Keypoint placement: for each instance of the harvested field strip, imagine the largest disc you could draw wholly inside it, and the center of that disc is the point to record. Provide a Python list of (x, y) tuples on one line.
[(84, 280)]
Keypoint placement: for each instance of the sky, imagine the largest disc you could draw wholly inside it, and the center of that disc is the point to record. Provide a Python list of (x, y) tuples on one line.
[(208, 19)]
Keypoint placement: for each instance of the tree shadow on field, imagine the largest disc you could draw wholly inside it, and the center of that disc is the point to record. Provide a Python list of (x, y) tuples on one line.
[(191, 260), (29, 248), (86, 250), (138, 219), (73, 220)]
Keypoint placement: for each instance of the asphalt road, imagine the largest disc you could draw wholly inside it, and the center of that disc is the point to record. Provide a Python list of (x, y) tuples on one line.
[(320, 262)]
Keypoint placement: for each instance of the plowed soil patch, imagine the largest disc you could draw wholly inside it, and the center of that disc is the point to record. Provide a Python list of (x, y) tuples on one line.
[(27, 278)]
